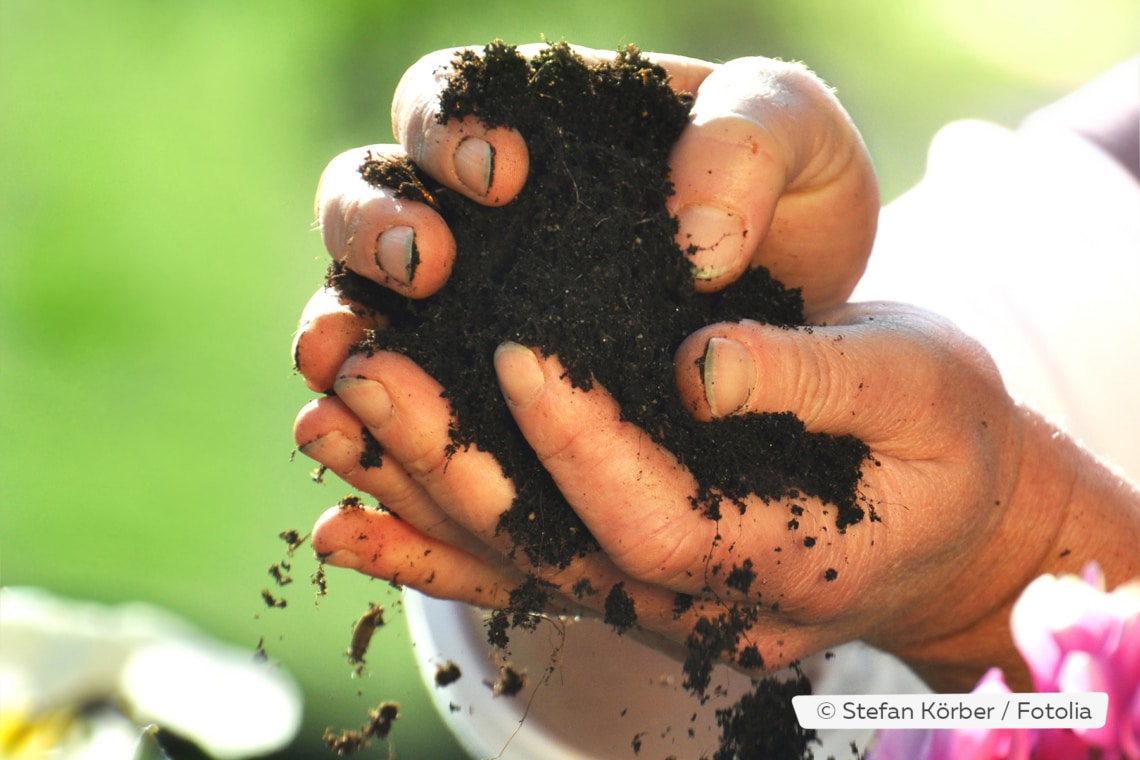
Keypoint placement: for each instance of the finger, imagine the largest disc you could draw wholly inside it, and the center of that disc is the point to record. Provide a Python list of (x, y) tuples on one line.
[(392, 549), (329, 433), (873, 372), (330, 326), (770, 171), (633, 495), (636, 498), (685, 74), (405, 411), (382, 545), (488, 165), (641, 504), (401, 244)]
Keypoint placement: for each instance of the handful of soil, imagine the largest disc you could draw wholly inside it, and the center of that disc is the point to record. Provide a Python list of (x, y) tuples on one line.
[(584, 264)]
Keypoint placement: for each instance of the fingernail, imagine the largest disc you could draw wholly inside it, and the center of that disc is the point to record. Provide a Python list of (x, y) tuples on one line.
[(320, 448), (728, 375), (396, 253), (520, 374), (473, 161), (334, 450), (713, 238), (368, 399), (341, 558)]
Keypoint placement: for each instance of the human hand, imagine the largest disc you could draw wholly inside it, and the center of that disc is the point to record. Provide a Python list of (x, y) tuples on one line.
[(955, 469), (770, 171), (433, 510)]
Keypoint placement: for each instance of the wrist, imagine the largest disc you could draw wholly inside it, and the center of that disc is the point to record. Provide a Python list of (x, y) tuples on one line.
[(1100, 522), (972, 634), (1065, 509)]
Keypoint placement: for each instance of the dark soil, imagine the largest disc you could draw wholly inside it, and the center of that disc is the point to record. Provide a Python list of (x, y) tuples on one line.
[(447, 674), (351, 741), (584, 265), (763, 723)]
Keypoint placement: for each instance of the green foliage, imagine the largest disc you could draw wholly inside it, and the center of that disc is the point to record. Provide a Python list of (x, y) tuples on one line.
[(158, 162)]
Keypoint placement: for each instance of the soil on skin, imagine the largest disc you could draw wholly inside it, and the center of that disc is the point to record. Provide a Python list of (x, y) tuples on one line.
[(584, 265)]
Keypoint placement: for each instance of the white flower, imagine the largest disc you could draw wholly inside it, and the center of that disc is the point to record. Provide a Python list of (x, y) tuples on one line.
[(84, 679)]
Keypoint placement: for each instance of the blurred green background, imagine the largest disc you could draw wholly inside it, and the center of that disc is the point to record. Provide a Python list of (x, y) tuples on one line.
[(157, 164)]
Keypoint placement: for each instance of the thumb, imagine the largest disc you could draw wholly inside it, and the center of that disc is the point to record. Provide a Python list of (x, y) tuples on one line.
[(771, 172), (874, 371), (488, 166)]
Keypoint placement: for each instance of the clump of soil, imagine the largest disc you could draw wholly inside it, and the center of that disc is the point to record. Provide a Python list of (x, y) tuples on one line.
[(619, 609), (509, 683), (362, 634), (447, 674), (378, 726), (584, 264), (763, 723)]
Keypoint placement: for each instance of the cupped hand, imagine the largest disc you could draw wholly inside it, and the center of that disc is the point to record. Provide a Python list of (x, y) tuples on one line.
[(951, 473), (770, 172)]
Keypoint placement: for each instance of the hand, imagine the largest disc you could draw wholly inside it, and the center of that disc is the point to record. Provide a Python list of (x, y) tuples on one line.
[(770, 172), (955, 471), (457, 505)]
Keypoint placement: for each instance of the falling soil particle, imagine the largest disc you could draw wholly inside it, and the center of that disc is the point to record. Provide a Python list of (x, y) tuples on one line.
[(380, 720), (272, 601), (619, 611), (280, 573), (763, 723), (320, 581), (525, 607), (362, 634), (379, 725), (346, 742), (447, 674), (293, 540), (712, 640), (509, 683)]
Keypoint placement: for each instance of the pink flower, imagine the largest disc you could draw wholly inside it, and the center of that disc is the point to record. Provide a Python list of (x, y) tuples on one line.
[(1076, 637), (957, 744)]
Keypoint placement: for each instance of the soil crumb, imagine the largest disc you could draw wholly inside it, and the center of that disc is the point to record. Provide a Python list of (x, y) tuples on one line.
[(293, 540), (362, 634), (447, 674), (619, 609), (351, 741), (509, 683), (271, 601)]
